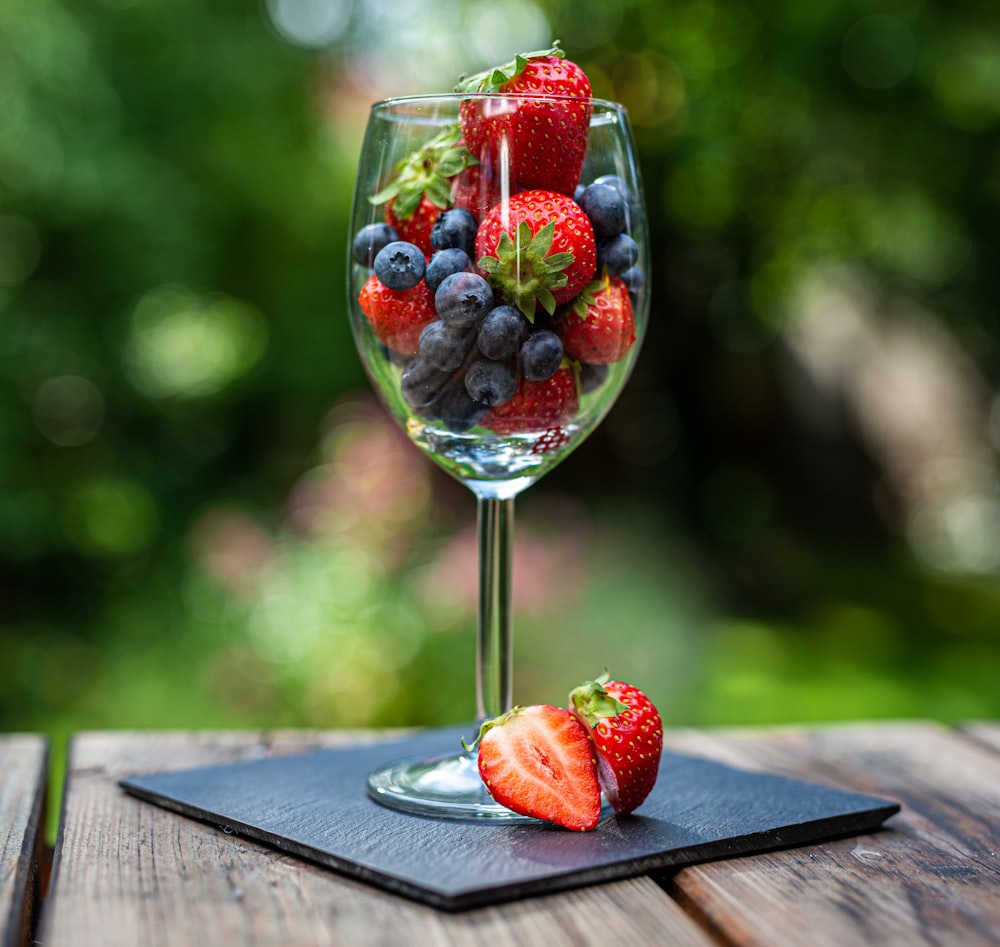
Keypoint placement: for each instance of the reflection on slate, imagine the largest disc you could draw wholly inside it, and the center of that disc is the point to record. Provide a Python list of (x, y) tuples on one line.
[(314, 805)]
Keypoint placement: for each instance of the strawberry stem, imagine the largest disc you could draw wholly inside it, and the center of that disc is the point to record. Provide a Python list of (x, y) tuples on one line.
[(592, 701), (491, 80), (488, 725), (524, 271), (427, 172)]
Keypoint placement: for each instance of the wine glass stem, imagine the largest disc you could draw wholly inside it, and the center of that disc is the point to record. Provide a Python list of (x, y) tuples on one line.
[(494, 656)]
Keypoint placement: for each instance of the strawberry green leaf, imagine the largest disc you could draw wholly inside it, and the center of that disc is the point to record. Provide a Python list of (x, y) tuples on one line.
[(523, 271), (492, 80), (593, 702), (426, 172)]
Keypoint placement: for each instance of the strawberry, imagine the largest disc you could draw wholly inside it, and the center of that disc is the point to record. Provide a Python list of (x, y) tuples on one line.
[(539, 762), (421, 188), (416, 226), (628, 736), (537, 405), (599, 328), (537, 249), (545, 137), (397, 317), (477, 188)]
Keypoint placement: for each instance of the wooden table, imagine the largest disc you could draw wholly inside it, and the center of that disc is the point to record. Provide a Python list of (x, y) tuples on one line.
[(129, 873)]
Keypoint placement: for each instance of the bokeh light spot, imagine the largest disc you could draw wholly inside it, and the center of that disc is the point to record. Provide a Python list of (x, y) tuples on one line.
[(496, 29), (310, 23), (110, 517), (68, 410), (879, 52), (182, 345)]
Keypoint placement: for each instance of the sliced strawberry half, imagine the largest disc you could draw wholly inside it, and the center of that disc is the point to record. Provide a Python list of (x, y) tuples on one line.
[(538, 761)]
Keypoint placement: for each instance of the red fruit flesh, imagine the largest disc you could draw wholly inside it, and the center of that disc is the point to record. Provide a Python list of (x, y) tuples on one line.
[(538, 761)]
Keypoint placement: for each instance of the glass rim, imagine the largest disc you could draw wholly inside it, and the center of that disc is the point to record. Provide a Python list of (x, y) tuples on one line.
[(595, 102)]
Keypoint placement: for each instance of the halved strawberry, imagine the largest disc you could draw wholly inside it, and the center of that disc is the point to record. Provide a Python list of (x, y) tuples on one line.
[(543, 117), (397, 317), (537, 405), (538, 761), (537, 249), (628, 735), (599, 327)]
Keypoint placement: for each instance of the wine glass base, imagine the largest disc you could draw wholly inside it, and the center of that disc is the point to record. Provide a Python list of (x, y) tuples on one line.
[(440, 787)]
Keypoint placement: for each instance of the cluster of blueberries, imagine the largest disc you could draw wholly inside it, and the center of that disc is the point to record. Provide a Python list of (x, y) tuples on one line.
[(469, 359)]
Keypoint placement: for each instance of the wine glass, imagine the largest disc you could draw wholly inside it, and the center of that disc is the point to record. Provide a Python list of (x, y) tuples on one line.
[(420, 317)]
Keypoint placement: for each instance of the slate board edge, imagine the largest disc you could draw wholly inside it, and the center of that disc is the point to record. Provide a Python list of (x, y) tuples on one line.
[(791, 836)]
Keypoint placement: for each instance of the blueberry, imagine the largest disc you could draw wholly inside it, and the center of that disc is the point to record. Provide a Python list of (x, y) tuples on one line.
[(502, 332), (445, 347), (633, 278), (631, 204), (605, 207), (619, 184), (399, 265), (489, 382), (617, 254), (541, 355), (455, 228), (457, 409), (369, 240), (422, 383), (444, 263), (592, 377), (462, 299)]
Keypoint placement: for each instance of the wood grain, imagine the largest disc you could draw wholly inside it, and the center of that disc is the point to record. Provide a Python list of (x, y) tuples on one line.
[(931, 877), (23, 780), (130, 873), (984, 731)]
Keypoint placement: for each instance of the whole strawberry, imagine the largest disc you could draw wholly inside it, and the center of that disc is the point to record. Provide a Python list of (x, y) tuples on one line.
[(421, 187), (628, 736), (397, 317), (538, 761), (416, 226), (599, 327), (543, 120), (537, 250), (537, 405), (479, 187)]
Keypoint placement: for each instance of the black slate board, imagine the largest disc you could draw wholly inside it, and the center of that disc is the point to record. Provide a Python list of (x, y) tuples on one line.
[(314, 805)]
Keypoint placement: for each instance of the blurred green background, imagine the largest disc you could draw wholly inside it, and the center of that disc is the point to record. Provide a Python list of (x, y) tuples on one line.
[(792, 514)]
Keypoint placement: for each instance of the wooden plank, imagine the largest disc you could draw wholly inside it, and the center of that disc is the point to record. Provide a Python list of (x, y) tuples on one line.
[(23, 781), (931, 877), (985, 731), (130, 873)]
